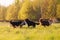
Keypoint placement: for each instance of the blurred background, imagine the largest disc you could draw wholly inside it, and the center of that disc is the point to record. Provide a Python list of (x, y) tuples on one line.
[(32, 9)]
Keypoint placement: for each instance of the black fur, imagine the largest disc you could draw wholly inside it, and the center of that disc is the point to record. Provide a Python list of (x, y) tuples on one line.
[(31, 23), (45, 22), (17, 23)]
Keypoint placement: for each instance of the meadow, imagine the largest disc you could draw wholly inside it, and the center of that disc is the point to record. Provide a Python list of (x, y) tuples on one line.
[(7, 32)]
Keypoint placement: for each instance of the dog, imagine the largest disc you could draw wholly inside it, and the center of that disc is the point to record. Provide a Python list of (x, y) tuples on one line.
[(45, 22), (31, 23), (17, 23)]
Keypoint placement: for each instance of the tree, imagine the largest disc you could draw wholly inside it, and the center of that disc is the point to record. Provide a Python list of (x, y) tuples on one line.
[(12, 11), (36, 9), (49, 9), (2, 12), (23, 13), (58, 11)]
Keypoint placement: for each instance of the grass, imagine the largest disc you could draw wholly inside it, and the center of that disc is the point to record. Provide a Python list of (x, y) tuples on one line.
[(39, 33)]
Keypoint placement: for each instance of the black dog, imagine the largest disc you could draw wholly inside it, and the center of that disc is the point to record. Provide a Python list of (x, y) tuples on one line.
[(45, 22), (17, 23), (31, 23)]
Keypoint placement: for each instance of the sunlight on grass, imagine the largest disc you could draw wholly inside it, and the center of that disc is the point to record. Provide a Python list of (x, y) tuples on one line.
[(39, 33)]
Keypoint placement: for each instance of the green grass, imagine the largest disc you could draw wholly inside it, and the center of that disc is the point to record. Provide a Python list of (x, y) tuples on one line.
[(39, 33)]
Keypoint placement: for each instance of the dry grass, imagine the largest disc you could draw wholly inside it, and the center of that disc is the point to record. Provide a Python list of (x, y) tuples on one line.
[(39, 33)]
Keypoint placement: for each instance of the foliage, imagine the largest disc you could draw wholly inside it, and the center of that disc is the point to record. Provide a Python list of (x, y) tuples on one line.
[(12, 11), (23, 13), (2, 12), (32, 9), (35, 10), (58, 11), (48, 8)]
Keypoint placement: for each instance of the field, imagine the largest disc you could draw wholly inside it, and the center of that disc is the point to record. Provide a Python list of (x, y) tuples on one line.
[(39, 33)]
